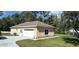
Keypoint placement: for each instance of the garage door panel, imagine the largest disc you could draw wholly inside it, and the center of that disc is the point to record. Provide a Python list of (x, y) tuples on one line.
[(28, 33)]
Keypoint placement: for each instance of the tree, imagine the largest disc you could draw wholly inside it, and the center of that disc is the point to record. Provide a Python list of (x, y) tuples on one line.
[(28, 16), (73, 19), (1, 13), (17, 18)]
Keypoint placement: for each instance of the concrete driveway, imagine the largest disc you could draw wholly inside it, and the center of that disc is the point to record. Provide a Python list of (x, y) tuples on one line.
[(8, 41)]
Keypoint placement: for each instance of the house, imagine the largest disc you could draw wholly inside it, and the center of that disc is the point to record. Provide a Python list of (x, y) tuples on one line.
[(33, 29), (72, 31)]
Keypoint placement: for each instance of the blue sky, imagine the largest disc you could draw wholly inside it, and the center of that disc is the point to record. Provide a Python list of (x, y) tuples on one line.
[(9, 13)]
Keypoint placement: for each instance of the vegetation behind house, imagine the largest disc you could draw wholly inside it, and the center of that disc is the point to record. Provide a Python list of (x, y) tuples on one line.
[(62, 23)]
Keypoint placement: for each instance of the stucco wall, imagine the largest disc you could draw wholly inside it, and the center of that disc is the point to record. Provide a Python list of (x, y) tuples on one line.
[(18, 31), (13, 31), (41, 32), (38, 32)]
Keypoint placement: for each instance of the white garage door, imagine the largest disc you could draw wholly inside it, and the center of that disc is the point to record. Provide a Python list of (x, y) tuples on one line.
[(29, 33)]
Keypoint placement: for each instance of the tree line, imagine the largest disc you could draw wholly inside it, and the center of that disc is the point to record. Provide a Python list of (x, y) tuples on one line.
[(17, 18), (63, 23)]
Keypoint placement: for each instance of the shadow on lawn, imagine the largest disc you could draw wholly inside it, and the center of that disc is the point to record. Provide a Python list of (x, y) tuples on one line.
[(2, 38), (74, 41)]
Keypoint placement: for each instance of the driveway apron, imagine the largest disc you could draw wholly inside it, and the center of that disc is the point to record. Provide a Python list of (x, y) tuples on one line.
[(8, 41)]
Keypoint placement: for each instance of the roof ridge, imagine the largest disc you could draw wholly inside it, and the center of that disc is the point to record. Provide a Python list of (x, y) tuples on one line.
[(33, 24)]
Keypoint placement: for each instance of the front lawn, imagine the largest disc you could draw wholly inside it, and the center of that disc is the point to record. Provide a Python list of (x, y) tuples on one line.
[(60, 41)]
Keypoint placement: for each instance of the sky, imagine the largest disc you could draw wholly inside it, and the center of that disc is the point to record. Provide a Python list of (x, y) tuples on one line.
[(9, 13)]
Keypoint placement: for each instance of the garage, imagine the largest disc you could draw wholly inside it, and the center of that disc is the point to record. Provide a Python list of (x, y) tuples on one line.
[(32, 30), (29, 33)]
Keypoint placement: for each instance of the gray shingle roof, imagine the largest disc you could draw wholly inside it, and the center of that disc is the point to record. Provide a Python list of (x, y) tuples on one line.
[(32, 24)]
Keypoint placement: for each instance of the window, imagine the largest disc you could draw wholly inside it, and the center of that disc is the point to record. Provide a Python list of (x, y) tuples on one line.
[(46, 32)]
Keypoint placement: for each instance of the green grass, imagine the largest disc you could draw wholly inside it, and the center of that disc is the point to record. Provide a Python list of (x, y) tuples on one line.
[(60, 41), (6, 34)]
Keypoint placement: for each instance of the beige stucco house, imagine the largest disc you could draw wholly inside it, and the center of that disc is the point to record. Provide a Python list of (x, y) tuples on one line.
[(33, 29)]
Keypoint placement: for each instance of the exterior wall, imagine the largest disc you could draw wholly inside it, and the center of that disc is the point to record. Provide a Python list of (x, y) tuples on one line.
[(18, 31), (13, 31), (41, 32), (38, 32)]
